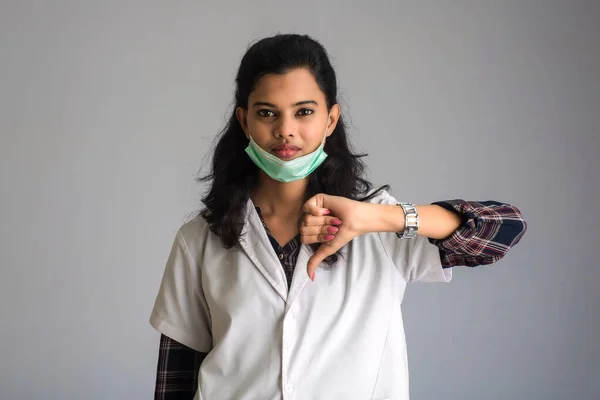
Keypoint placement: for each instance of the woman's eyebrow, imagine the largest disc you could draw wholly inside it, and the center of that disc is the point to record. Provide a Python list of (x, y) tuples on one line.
[(264, 103)]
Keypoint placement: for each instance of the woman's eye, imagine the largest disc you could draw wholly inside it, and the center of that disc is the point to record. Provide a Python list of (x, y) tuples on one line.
[(265, 113), (268, 113), (305, 111)]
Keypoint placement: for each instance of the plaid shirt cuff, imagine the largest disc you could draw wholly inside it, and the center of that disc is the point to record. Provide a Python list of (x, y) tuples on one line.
[(487, 231)]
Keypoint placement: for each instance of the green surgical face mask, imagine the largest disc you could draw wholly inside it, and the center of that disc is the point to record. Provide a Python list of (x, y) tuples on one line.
[(287, 171)]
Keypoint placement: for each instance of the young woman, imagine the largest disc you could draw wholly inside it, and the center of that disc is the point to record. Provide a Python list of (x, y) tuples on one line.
[(288, 284)]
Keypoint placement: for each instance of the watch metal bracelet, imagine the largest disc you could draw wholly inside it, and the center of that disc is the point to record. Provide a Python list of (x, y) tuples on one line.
[(411, 221)]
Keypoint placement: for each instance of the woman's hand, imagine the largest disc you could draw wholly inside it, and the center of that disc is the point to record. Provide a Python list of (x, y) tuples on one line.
[(332, 221)]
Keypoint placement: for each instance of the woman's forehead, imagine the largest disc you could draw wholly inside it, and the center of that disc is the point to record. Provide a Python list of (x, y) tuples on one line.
[(284, 90)]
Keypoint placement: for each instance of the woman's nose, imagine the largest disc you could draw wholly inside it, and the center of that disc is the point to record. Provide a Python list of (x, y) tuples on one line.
[(286, 127)]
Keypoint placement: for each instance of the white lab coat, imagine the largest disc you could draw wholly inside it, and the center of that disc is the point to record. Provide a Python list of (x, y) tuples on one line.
[(341, 337)]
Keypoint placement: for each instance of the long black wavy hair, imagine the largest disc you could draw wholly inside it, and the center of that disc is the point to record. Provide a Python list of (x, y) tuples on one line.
[(233, 175)]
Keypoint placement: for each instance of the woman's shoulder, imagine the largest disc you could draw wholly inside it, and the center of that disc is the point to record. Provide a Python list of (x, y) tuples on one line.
[(194, 230)]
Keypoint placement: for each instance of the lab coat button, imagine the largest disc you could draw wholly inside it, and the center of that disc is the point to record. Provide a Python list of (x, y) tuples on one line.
[(289, 388)]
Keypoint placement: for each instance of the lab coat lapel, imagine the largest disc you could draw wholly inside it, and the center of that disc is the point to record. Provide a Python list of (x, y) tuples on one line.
[(300, 278), (255, 242)]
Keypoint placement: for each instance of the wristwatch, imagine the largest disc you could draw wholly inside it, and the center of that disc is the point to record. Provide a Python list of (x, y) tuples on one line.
[(411, 221)]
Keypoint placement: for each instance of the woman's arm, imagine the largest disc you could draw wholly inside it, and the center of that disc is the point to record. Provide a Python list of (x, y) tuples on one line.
[(176, 371), (467, 233)]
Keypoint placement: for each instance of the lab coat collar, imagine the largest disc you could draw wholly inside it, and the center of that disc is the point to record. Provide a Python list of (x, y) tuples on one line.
[(255, 243)]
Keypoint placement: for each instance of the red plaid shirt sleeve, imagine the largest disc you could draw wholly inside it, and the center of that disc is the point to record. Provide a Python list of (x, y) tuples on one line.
[(487, 231), (176, 371)]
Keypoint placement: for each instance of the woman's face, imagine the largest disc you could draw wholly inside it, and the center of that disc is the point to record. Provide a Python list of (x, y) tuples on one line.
[(287, 114)]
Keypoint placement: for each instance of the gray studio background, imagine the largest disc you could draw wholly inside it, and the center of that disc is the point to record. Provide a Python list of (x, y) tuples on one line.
[(107, 110)]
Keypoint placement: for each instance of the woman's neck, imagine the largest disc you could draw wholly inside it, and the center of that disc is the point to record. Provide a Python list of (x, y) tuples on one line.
[(278, 198)]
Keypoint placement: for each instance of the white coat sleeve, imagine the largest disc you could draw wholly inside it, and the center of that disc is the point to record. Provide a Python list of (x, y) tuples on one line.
[(417, 259), (180, 310)]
